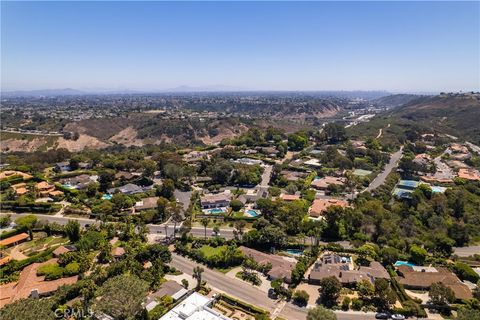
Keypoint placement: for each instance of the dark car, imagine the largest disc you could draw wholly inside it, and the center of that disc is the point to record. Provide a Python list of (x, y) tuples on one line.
[(382, 315)]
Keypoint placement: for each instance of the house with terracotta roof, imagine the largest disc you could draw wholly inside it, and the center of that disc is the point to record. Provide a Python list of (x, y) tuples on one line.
[(469, 174), (14, 240), (118, 252), (289, 197), (45, 189), (19, 188), (319, 206), (63, 249), (421, 278), (31, 285), (11, 173)]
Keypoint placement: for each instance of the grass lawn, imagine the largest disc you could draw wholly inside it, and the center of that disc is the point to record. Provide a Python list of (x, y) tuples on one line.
[(209, 251)]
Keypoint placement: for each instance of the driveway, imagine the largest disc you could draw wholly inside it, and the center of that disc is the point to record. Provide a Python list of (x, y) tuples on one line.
[(380, 178), (183, 197)]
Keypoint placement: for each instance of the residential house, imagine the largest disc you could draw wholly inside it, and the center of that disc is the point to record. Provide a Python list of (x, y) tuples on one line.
[(281, 266), (118, 252), (421, 278), (63, 249), (11, 173), (170, 288), (469, 174), (14, 240), (19, 188), (319, 206), (31, 285), (216, 200), (422, 159), (146, 204), (194, 307), (45, 189), (323, 183), (293, 176), (79, 182), (289, 197), (342, 268), (127, 189), (63, 166)]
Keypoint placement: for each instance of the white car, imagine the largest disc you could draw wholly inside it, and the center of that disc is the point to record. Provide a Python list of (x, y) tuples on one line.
[(397, 317)]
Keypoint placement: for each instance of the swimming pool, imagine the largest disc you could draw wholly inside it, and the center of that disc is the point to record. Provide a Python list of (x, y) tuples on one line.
[(294, 252), (107, 196), (216, 211), (403, 263), (251, 213)]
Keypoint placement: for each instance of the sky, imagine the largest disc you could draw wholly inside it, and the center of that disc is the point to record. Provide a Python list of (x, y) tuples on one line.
[(394, 46)]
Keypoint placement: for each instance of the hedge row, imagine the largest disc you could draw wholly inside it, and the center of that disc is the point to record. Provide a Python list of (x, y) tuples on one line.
[(248, 308)]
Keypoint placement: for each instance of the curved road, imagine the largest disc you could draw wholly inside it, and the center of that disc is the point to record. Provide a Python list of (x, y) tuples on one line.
[(380, 178)]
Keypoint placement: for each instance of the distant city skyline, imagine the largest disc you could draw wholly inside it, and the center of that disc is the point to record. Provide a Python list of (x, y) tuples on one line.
[(232, 46)]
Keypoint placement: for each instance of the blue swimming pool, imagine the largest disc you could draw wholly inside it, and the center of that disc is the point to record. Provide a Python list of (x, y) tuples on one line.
[(252, 213), (294, 252), (403, 263), (216, 211), (107, 196)]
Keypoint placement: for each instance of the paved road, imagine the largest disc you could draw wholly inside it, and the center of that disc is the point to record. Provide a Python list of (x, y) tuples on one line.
[(473, 147), (466, 251), (228, 285), (253, 295), (154, 228), (267, 173), (380, 178)]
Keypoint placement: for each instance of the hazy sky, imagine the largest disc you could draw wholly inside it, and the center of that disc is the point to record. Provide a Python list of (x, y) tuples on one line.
[(408, 46)]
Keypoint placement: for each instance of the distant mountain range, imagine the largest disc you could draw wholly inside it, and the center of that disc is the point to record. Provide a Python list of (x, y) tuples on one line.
[(369, 95)]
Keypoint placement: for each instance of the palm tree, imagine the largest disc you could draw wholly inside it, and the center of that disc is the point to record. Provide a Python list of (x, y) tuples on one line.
[(197, 274), (204, 222), (239, 226), (175, 212)]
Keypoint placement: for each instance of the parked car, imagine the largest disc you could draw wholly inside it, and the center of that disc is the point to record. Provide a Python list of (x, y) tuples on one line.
[(398, 317), (382, 315)]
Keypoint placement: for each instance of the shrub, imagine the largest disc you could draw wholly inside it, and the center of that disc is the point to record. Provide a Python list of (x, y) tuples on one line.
[(72, 268), (236, 205), (346, 303), (357, 304), (301, 297), (465, 272), (50, 271)]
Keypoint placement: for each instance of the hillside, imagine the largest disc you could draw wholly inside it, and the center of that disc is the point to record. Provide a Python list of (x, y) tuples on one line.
[(396, 100), (457, 115)]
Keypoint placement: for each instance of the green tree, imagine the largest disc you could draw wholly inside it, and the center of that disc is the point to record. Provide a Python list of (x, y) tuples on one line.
[(121, 296), (204, 223), (301, 297), (197, 274), (365, 289), (320, 313), (330, 290), (27, 223), (236, 205), (28, 309), (465, 272), (441, 294), (5, 220), (418, 255), (72, 229)]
